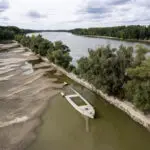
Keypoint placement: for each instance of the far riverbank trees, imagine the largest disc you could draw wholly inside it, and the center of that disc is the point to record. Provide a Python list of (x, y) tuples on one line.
[(8, 33), (135, 32)]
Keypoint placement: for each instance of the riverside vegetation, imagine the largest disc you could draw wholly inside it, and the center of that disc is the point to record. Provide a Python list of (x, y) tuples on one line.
[(135, 32), (118, 73), (56, 52), (114, 71), (132, 32)]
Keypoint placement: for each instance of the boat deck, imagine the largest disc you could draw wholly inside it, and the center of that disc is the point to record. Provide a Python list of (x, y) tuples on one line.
[(84, 108)]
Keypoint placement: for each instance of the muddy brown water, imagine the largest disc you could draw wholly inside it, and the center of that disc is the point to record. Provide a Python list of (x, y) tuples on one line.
[(63, 128)]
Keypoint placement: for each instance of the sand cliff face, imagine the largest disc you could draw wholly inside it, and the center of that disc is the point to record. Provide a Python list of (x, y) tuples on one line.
[(24, 93)]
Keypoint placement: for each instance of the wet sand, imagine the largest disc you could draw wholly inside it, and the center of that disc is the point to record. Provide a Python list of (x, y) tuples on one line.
[(25, 91)]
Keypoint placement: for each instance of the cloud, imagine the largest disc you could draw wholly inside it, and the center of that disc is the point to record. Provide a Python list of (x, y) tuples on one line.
[(35, 15), (144, 3), (97, 10), (103, 6), (4, 18), (107, 3), (4, 5), (118, 2), (115, 12), (68, 14)]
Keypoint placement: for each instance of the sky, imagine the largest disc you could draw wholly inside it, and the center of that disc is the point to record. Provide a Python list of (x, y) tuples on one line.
[(69, 14)]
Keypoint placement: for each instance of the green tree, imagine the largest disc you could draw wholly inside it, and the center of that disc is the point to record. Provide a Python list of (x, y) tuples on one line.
[(140, 54), (44, 46), (138, 87), (105, 68), (60, 58), (60, 46)]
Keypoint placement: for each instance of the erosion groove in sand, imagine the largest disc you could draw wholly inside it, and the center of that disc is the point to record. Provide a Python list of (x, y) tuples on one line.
[(24, 95)]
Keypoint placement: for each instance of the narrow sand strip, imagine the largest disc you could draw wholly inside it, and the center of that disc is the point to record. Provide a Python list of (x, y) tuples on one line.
[(6, 77), (17, 120)]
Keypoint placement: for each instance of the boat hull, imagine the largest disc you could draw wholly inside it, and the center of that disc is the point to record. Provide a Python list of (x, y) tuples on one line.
[(86, 110)]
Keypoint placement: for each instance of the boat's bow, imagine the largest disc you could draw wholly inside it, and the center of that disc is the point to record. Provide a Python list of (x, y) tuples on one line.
[(88, 111)]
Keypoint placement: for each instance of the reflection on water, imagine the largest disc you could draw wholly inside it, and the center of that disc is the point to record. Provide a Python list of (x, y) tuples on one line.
[(87, 125)]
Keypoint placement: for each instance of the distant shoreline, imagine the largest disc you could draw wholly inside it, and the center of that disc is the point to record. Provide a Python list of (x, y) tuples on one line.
[(103, 37), (114, 38)]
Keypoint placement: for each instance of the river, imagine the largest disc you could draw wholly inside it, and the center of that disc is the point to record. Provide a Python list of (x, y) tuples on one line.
[(63, 128), (79, 45)]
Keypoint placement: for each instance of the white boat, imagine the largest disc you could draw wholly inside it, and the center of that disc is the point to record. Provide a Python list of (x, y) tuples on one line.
[(86, 109), (62, 94), (65, 83)]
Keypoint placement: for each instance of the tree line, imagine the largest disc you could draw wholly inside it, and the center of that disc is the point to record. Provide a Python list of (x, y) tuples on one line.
[(119, 73), (9, 32), (56, 52), (135, 32)]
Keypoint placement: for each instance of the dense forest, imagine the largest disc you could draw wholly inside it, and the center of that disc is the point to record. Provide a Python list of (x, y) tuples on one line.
[(56, 52), (118, 73), (136, 32)]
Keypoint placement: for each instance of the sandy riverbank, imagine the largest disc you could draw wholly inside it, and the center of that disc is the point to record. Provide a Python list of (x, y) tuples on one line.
[(24, 94)]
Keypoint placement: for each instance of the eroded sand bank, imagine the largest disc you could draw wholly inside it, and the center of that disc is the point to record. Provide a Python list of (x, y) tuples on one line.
[(24, 94)]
